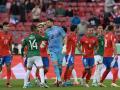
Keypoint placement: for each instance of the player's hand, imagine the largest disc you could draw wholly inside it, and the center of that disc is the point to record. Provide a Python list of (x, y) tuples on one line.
[(64, 49), (42, 45)]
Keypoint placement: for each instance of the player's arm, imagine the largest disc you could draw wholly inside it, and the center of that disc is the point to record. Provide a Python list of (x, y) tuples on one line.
[(96, 45), (10, 44), (79, 46), (23, 47), (114, 46)]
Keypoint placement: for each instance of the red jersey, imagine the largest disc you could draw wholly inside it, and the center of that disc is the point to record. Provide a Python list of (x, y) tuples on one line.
[(71, 43), (109, 41), (88, 46), (43, 51), (5, 44)]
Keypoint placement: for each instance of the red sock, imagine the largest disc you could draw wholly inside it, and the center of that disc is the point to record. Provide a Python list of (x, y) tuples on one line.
[(8, 76), (104, 75), (88, 77), (69, 74), (37, 74), (115, 75), (84, 74), (65, 74)]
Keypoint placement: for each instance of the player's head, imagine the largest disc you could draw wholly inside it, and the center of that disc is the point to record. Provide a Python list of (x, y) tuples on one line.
[(34, 28), (41, 27), (110, 28), (64, 28), (1, 27), (5, 26), (50, 22), (73, 28), (90, 30), (100, 29)]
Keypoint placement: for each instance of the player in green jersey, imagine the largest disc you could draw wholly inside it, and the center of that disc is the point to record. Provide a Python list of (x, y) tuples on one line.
[(99, 56), (32, 42)]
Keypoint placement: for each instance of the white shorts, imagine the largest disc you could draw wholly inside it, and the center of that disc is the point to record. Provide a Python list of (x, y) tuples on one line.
[(37, 60), (98, 59)]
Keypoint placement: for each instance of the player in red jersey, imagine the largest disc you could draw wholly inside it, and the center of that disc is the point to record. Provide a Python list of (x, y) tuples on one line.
[(69, 55), (5, 51), (109, 52), (87, 46)]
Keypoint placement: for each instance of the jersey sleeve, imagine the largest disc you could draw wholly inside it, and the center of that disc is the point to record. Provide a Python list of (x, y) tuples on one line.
[(24, 43)]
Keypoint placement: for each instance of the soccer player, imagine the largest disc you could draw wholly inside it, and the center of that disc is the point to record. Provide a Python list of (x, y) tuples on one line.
[(99, 56), (5, 51), (56, 37), (33, 42), (109, 51), (70, 53), (87, 45), (43, 49)]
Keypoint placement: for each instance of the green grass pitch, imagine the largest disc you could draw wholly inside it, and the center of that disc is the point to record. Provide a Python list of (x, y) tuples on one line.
[(18, 84)]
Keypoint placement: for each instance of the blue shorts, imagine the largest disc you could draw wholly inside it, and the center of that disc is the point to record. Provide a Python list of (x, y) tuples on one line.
[(69, 60), (25, 62), (88, 62), (56, 56), (5, 60), (107, 61), (45, 62), (115, 65)]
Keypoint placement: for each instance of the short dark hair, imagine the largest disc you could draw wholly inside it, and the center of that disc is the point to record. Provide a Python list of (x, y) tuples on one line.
[(50, 19), (73, 28), (5, 23), (89, 26), (33, 27), (64, 28), (1, 26), (110, 27)]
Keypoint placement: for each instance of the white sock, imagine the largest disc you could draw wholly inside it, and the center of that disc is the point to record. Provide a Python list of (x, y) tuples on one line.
[(74, 75), (42, 77), (26, 77), (45, 77)]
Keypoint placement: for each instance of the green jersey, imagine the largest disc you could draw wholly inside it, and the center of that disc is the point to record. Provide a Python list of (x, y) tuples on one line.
[(32, 42), (101, 42)]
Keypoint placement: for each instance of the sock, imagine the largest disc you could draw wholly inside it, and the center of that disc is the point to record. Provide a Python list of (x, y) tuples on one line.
[(74, 75), (29, 79), (104, 75), (88, 77), (115, 75), (84, 74), (8, 76), (65, 74), (37, 74), (42, 76), (60, 69), (57, 72), (69, 73), (26, 77)]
